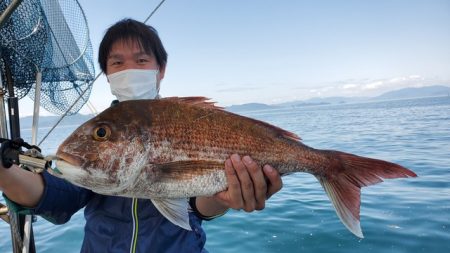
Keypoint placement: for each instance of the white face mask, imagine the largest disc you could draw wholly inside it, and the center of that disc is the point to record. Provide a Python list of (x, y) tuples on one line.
[(131, 84)]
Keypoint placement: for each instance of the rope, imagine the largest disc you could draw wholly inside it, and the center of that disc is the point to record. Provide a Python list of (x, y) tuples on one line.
[(68, 110), (81, 95), (153, 12)]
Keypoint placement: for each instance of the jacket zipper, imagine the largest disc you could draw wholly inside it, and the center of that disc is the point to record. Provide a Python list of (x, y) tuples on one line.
[(134, 215)]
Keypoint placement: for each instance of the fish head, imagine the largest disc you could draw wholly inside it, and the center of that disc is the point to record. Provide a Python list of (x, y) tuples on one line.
[(105, 153)]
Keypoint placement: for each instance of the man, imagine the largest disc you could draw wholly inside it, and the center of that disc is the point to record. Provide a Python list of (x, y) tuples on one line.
[(134, 60)]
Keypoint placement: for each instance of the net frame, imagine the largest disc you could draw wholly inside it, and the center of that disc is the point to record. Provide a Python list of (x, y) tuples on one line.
[(52, 37)]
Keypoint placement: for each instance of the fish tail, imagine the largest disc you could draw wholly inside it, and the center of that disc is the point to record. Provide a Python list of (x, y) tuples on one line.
[(345, 177)]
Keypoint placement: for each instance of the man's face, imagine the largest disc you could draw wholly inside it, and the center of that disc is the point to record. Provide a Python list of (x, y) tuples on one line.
[(129, 55)]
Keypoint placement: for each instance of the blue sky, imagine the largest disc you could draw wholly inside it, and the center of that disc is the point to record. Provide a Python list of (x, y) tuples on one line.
[(236, 51)]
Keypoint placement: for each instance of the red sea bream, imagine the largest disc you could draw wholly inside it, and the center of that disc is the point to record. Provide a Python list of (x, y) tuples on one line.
[(169, 149)]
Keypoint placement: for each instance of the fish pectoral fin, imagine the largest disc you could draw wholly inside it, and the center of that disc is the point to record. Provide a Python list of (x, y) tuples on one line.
[(175, 210), (4, 213), (6, 218)]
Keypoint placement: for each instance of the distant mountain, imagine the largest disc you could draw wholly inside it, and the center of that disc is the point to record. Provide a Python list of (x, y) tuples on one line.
[(324, 101), (428, 91), (249, 107), (336, 100), (405, 93)]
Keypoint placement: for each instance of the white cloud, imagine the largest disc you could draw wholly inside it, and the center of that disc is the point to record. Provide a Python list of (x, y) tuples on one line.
[(397, 79), (376, 87), (373, 85), (370, 87), (349, 86)]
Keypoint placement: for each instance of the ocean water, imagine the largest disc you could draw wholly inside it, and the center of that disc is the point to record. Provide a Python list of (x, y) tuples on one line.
[(401, 215)]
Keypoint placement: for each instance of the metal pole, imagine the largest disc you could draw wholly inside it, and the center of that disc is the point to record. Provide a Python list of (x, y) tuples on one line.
[(8, 11), (21, 226), (3, 126), (34, 132), (37, 104), (17, 221), (13, 106)]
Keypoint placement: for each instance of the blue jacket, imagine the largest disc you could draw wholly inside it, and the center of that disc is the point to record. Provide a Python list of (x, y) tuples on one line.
[(117, 224)]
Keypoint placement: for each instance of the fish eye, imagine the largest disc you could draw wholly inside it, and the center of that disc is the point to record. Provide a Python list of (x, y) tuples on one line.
[(101, 133)]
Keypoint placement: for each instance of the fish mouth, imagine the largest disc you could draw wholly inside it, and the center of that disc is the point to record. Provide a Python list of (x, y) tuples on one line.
[(68, 158), (66, 165)]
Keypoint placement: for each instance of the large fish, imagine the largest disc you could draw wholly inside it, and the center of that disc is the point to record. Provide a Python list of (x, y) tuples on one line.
[(169, 149)]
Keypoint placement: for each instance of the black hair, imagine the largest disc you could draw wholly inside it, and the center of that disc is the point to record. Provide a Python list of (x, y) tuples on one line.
[(132, 30)]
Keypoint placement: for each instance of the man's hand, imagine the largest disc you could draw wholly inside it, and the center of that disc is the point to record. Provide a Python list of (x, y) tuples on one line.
[(249, 186)]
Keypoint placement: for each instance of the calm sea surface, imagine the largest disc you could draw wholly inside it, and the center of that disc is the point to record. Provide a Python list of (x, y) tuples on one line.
[(401, 215)]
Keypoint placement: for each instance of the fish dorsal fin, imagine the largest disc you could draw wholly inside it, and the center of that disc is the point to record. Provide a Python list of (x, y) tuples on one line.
[(204, 103), (175, 210), (196, 101)]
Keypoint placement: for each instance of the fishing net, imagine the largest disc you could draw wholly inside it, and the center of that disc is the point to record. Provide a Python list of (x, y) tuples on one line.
[(51, 37)]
